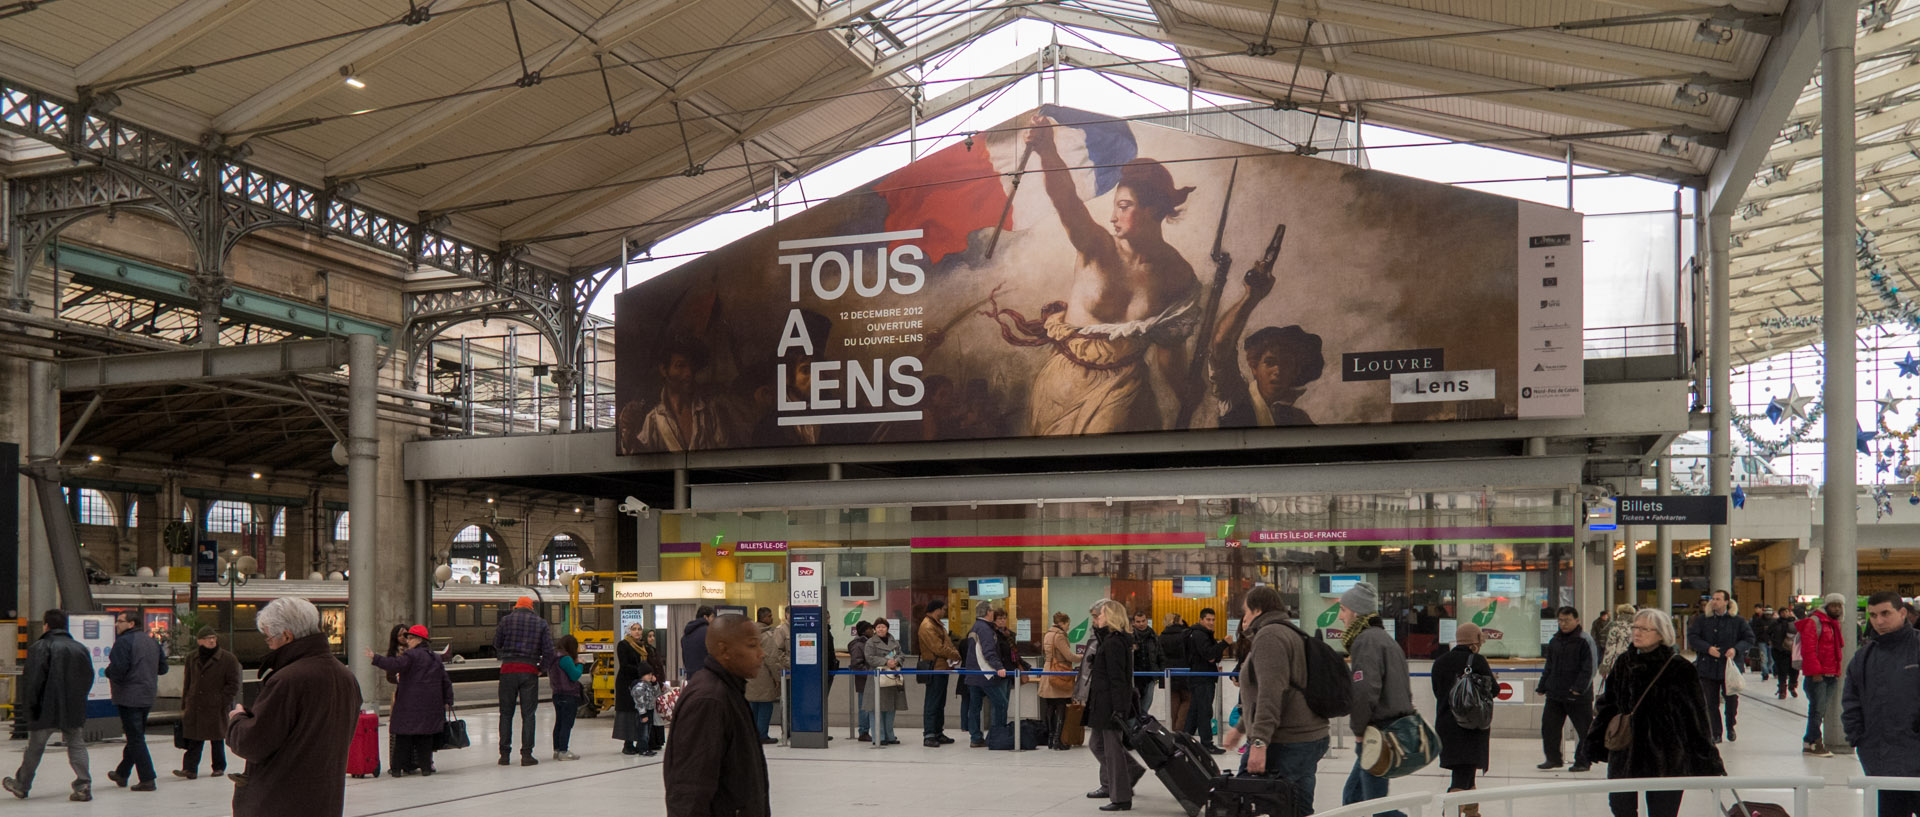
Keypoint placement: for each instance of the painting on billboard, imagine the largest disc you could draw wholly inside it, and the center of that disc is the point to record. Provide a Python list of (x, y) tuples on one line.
[(1067, 273)]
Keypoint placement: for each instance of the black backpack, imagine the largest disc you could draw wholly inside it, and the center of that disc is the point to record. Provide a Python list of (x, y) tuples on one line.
[(1329, 689)]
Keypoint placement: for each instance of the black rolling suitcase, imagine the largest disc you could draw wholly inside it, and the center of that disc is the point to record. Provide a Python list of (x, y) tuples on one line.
[(1254, 796), (1178, 759)]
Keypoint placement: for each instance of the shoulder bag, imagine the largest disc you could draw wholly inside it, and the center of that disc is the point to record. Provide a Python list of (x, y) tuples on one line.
[(1620, 730)]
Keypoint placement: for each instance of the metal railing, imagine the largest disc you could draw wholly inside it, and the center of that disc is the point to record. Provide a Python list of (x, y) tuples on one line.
[(1639, 340), (1449, 803), (1871, 787)]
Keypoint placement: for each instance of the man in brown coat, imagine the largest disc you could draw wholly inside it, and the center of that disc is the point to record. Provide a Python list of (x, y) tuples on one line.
[(936, 653), (715, 765), (295, 736), (213, 684)]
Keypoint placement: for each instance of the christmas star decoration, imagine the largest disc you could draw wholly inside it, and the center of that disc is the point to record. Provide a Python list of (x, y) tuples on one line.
[(1774, 411), (1739, 497), (1890, 403), (1909, 367), (1796, 405), (1861, 438)]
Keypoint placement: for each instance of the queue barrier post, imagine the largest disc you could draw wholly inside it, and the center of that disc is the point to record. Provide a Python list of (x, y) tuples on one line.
[(853, 708)]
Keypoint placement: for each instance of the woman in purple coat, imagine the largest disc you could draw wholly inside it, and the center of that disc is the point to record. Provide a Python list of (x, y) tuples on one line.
[(420, 706)]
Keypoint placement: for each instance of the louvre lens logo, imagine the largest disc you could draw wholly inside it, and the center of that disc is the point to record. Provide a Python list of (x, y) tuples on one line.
[(1539, 241), (1356, 366)]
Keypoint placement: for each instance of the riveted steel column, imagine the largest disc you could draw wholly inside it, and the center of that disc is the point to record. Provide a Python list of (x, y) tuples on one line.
[(1839, 563), (363, 467)]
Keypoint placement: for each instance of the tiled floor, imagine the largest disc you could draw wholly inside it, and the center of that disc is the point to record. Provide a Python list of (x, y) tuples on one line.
[(856, 780)]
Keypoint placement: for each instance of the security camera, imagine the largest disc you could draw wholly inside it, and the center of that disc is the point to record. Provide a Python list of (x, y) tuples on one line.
[(635, 508)]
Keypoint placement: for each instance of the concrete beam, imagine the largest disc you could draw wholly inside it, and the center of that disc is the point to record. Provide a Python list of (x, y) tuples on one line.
[(1784, 72), (221, 363), (1193, 482), (1613, 410)]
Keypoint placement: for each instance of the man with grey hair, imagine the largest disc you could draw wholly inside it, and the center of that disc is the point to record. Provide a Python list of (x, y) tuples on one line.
[(296, 734), (984, 692)]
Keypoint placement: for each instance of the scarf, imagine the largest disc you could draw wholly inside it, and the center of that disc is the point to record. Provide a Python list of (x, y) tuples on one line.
[(639, 648), (206, 653), (1359, 625)]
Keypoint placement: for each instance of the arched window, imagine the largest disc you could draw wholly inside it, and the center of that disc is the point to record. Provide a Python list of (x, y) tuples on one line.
[(227, 516), (342, 531), (279, 522), (133, 514), (94, 509)]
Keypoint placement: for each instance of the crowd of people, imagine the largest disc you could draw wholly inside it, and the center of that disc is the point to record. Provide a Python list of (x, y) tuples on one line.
[(1636, 703)]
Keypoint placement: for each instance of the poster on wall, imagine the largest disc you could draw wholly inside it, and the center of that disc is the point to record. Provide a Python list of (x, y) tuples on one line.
[(1066, 274), (1506, 607), (1320, 605)]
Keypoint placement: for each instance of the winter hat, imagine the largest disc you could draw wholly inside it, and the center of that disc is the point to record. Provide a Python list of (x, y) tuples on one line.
[(204, 631), (524, 601), (417, 631), (935, 606), (1362, 599), (1835, 598)]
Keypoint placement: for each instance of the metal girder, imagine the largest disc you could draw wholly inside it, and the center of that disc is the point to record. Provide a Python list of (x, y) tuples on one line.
[(320, 74), (575, 205), (241, 198), (1784, 70), (158, 38), (1543, 46), (261, 360), (621, 25)]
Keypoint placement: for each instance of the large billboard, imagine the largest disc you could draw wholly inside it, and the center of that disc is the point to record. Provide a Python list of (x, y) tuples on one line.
[(1069, 274)]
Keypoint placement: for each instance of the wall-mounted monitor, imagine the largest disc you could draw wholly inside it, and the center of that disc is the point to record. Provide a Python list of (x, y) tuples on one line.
[(987, 588), (1194, 587), (859, 588), (1515, 583), (1334, 584)]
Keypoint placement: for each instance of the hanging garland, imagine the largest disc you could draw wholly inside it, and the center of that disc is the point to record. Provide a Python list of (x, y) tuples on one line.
[(1769, 449)]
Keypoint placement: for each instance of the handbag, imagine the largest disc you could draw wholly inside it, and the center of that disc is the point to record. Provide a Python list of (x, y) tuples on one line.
[(180, 736), (1399, 747), (453, 735), (1619, 733), (1734, 674), (923, 665), (1742, 807)]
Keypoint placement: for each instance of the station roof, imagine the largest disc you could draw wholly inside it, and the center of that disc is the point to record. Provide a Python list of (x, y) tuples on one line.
[(572, 123)]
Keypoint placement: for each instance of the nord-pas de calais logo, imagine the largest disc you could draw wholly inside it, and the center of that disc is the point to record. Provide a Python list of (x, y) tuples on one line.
[(1433, 387), (1535, 242), (1382, 365)]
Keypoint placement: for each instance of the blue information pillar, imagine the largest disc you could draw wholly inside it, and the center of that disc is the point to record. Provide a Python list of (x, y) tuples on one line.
[(807, 724)]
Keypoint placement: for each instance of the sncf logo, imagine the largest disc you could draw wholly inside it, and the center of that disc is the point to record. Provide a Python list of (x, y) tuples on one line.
[(806, 571)]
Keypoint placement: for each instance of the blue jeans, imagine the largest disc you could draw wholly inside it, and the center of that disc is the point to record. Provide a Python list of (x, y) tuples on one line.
[(970, 712), (1362, 786), (866, 713), (883, 731), (1817, 692), (933, 714), (133, 721), (995, 702), (762, 716), (565, 709), (1296, 764), (1200, 714)]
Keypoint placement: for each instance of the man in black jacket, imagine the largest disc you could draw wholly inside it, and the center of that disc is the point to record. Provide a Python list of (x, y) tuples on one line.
[(1146, 658), (53, 692), (714, 764), (1719, 640), (1203, 655), (1763, 624), (693, 642), (1173, 650), (1567, 685)]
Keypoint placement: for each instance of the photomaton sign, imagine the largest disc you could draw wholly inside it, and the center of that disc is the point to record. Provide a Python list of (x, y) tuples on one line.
[(1065, 274)]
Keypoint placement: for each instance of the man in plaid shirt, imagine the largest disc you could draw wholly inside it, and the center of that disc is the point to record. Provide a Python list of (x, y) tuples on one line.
[(522, 643)]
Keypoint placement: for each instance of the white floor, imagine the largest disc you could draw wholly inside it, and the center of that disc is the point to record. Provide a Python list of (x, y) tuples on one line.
[(855, 780)]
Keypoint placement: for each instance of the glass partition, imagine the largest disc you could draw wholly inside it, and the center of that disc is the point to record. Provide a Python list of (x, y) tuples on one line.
[(1437, 558)]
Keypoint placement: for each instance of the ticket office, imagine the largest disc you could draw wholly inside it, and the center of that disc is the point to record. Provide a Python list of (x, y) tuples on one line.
[(1493, 562)]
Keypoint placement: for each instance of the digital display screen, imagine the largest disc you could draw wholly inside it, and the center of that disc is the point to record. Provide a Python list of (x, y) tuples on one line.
[(1334, 585), (987, 588), (1505, 584), (1194, 587)]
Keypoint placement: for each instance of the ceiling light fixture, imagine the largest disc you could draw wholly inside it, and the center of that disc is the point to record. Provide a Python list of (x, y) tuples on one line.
[(347, 191), (93, 458), (256, 475), (1668, 147), (103, 104), (346, 72), (1711, 34)]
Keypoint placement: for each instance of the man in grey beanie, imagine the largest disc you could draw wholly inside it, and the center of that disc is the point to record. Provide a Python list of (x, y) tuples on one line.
[(1382, 690)]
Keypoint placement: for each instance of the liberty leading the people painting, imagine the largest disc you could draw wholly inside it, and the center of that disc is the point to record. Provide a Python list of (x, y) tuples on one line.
[(1067, 273)]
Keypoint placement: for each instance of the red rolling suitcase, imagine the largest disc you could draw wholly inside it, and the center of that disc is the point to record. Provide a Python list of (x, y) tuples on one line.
[(363, 755)]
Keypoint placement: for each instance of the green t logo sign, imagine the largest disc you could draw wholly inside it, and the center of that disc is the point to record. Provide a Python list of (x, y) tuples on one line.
[(853, 613), (1079, 631), (1328, 617), (1485, 617)]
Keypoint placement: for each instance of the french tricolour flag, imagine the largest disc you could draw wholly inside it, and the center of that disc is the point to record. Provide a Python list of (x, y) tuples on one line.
[(952, 193)]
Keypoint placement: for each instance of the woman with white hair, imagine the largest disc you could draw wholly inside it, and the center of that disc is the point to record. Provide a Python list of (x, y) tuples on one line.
[(1110, 704), (295, 736), (1660, 694)]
